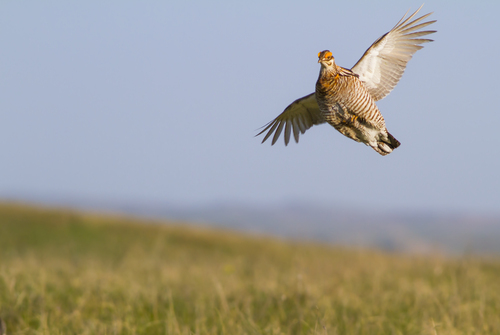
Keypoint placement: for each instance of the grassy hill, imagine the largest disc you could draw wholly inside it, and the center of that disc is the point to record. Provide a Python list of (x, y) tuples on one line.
[(65, 272)]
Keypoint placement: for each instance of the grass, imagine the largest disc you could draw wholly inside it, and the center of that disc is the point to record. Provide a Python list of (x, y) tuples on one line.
[(63, 272)]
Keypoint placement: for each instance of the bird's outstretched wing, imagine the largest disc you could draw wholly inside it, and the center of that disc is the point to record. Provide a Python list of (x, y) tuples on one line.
[(383, 64), (299, 116)]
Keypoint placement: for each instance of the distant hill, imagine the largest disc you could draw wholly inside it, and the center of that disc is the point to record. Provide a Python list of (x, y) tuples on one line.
[(415, 232), (410, 232)]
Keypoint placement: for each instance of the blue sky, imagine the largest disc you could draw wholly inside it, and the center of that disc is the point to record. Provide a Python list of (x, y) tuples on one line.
[(160, 101)]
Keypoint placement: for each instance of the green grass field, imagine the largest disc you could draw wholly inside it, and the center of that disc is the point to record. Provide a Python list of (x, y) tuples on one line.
[(64, 272)]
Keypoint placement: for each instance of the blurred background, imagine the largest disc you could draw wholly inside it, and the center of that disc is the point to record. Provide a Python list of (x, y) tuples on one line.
[(150, 108)]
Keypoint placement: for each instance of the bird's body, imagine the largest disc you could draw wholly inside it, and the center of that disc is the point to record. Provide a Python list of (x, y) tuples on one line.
[(345, 98), (345, 103)]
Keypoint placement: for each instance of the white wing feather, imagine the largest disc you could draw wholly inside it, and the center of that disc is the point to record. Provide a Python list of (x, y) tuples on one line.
[(383, 64)]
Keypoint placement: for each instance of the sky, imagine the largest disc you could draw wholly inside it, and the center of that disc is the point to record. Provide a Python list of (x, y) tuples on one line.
[(160, 101)]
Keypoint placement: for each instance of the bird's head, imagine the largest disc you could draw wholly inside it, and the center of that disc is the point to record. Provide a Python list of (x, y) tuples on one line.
[(326, 59)]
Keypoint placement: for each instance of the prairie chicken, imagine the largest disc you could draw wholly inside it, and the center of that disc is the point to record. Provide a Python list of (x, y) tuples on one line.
[(346, 98)]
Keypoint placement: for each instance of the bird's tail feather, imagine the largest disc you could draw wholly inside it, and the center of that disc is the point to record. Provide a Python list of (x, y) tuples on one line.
[(393, 142), (386, 145)]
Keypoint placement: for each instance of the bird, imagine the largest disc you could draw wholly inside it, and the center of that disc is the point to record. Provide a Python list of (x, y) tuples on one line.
[(345, 98)]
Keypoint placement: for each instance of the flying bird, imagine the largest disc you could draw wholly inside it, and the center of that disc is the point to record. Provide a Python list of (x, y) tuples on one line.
[(346, 98)]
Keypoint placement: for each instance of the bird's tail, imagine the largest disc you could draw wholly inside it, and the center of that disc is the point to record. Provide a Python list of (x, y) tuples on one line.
[(393, 142), (386, 144)]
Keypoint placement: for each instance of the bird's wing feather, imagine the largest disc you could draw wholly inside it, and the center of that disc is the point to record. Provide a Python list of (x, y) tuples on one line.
[(383, 64), (299, 116)]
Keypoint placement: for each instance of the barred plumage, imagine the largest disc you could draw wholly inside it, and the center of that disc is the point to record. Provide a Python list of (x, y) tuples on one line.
[(346, 98), (346, 104)]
